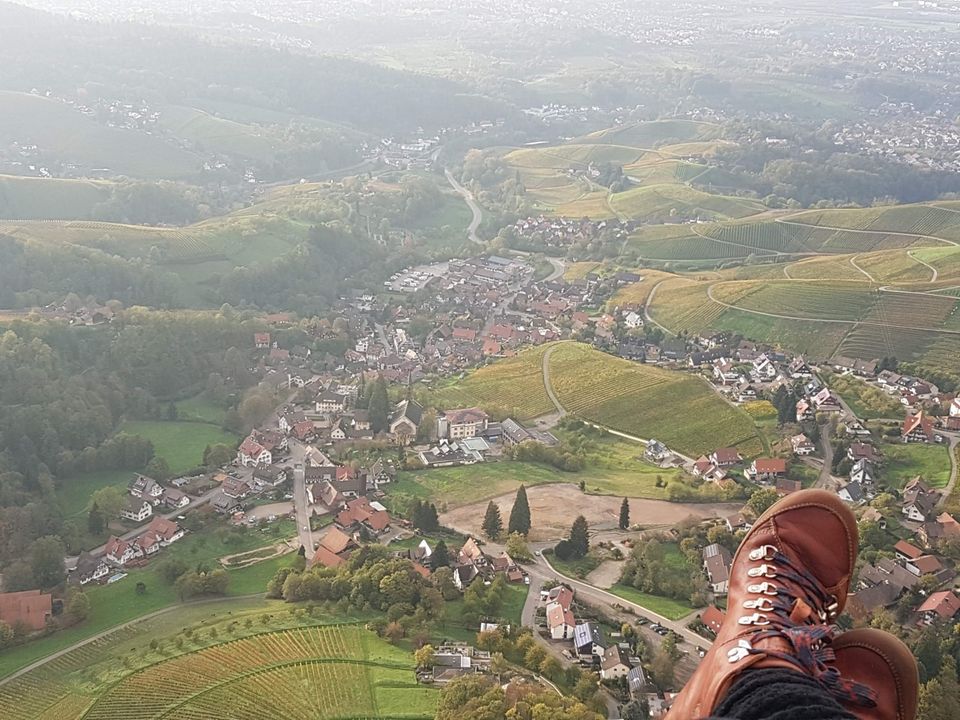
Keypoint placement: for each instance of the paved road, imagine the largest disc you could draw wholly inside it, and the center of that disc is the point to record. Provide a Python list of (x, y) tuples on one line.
[(547, 385), (471, 203), (300, 501), (646, 309), (559, 267)]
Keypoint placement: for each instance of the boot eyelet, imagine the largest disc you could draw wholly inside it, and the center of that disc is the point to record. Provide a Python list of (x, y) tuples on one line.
[(755, 619), (767, 571), (764, 552), (763, 588), (762, 604)]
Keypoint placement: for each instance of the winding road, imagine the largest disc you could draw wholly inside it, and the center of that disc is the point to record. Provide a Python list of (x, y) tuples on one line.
[(471, 203)]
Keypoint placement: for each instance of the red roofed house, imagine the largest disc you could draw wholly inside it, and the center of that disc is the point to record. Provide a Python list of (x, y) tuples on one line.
[(334, 549), (462, 333), (924, 565), (261, 340), (943, 605), (713, 617), (560, 621), (120, 552), (725, 457), (766, 469), (253, 453), (906, 551), (28, 608), (362, 512), (918, 428)]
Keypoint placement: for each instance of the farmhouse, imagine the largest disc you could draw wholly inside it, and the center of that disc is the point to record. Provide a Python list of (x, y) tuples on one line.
[(825, 401), (334, 549), (363, 512), (28, 608), (852, 493), (588, 639), (919, 500), (560, 622), (656, 451)]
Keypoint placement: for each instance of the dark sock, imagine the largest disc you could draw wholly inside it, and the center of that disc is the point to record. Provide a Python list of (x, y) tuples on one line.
[(779, 694)]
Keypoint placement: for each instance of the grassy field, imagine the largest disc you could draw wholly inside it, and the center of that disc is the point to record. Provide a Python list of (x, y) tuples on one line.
[(319, 671), (903, 462), (68, 135), (667, 607), (512, 387), (646, 401), (199, 409), (114, 604), (74, 492), (675, 199), (29, 198), (180, 443)]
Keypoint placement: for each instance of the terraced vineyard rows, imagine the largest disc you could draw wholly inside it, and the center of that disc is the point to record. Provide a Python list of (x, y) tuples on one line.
[(820, 300), (924, 311), (684, 305), (152, 691), (645, 401)]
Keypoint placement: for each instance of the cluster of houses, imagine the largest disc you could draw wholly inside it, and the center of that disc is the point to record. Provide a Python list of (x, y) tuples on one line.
[(145, 495), (122, 552), (472, 564), (562, 232), (357, 520), (610, 659)]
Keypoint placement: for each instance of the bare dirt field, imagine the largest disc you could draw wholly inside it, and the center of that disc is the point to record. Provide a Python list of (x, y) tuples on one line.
[(607, 574), (554, 507)]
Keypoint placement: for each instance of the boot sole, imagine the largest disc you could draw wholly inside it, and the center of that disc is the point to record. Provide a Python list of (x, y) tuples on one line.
[(825, 500), (898, 658)]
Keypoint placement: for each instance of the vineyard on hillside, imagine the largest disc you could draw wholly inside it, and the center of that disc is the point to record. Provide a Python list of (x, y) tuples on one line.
[(511, 387), (315, 672), (676, 408)]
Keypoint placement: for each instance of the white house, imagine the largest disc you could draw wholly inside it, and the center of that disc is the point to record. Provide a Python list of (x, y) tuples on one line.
[(120, 552), (136, 509), (252, 453), (560, 621), (146, 488)]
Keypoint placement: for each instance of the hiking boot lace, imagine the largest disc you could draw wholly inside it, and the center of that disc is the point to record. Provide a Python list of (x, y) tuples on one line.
[(795, 609)]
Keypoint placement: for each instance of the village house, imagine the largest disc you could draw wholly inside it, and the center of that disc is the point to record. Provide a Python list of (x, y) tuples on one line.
[(826, 401), (463, 423), (852, 493), (147, 488), (941, 606), (862, 451), (136, 509), (804, 410), (656, 451), (453, 661), (766, 469), (328, 402), (924, 565), (363, 512), (615, 663), (334, 549), (588, 640), (725, 457), (560, 622), (252, 453), (919, 500), (224, 504), (712, 617), (120, 552), (802, 445), (289, 420), (174, 498), (725, 372), (261, 341), (88, 569), (716, 563), (918, 428), (30, 609), (906, 551)]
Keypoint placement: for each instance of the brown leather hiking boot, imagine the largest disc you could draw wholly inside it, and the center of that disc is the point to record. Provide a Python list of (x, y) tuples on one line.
[(788, 582), (879, 660)]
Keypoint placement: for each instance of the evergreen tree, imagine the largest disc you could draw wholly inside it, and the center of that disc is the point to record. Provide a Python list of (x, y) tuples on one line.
[(379, 406), (940, 697), (492, 522), (520, 513), (96, 522), (440, 557), (579, 538), (624, 515)]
